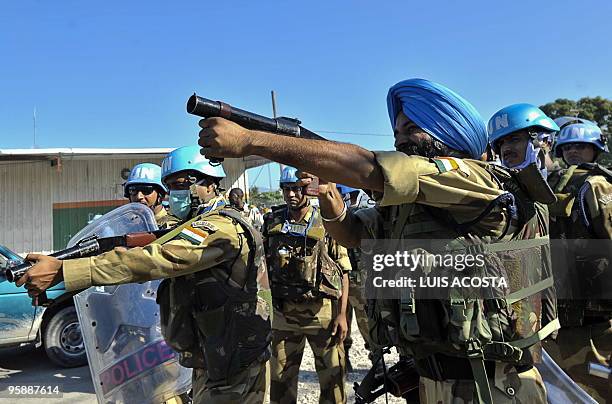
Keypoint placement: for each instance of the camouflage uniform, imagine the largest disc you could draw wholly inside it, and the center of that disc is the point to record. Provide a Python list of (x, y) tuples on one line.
[(216, 321), (300, 312), (586, 333), (430, 199)]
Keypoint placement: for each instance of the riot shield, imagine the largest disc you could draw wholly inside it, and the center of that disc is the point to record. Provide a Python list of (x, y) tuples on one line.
[(128, 358), (559, 386)]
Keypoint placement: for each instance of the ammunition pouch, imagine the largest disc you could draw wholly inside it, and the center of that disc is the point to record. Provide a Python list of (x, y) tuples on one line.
[(329, 283), (233, 335), (175, 298), (300, 265)]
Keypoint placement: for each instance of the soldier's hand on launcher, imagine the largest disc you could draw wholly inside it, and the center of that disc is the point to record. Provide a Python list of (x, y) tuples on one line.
[(46, 272), (223, 138)]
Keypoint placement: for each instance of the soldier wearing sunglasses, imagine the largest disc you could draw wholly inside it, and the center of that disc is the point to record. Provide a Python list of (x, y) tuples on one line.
[(144, 185)]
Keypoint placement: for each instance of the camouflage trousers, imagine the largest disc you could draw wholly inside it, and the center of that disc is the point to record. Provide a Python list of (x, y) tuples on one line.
[(291, 326), (249, 386), (573, 350), (507, 387), (357, 303)]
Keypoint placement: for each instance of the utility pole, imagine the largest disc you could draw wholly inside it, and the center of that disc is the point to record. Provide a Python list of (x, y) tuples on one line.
[(280, 166), (273, 103), (34, 116)]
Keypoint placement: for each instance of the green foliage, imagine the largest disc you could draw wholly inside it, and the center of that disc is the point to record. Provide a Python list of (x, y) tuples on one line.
[(597, 109), (266, 199)]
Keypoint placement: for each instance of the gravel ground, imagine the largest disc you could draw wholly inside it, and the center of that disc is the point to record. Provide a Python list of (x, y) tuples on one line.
[(21, 366)]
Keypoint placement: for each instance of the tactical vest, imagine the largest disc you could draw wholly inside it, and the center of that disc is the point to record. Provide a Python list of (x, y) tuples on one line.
[(355, 276), (299, 264), (211, 323), (466, 332), (571, 221), (569, 215)]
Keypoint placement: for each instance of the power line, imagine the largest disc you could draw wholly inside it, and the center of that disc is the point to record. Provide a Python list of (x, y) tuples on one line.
[(352, 133)]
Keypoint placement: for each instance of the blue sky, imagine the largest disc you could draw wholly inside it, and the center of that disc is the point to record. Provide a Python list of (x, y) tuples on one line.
[(118, 74)]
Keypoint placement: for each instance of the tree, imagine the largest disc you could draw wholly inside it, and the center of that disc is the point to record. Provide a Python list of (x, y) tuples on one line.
[(597, 109), (266, 199)]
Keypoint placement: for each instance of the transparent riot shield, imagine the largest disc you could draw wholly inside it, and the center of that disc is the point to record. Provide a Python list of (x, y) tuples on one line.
[(559, 386), (128, 358)]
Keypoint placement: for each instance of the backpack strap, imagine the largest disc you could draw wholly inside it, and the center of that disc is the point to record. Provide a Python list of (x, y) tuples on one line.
[(255, 247), (475, 355)]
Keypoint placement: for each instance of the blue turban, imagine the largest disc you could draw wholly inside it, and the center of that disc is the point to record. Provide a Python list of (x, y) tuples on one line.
[(441, 112)]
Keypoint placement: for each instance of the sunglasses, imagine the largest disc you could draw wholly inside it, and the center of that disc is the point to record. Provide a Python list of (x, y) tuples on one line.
[(295, 188), (577, 146), (145, 189)]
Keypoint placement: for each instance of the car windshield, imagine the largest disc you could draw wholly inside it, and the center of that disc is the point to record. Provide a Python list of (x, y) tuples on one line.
[(6, 256)]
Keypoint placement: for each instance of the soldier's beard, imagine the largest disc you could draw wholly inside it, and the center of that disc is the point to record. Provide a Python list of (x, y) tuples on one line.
[(429, 148)]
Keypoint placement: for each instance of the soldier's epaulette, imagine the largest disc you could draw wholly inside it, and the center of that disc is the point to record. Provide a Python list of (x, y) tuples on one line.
[(445, 164)]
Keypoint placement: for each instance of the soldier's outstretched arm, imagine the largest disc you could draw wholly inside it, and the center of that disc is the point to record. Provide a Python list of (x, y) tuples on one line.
[(181, 256), (339, 162)]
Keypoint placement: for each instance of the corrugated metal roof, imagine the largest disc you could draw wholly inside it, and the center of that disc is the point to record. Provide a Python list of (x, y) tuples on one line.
[(74, 153), (80, 153)]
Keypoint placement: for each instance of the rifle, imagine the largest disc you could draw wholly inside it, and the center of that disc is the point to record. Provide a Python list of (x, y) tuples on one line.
[(88, 247), (206, 108), (401, 379)]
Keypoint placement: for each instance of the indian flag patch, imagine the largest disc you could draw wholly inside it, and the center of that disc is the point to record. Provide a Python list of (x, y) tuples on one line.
[(193, 235), (445, 164)]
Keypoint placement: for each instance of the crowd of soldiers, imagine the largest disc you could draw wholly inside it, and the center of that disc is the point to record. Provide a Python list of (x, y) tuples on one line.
[(451, 177)]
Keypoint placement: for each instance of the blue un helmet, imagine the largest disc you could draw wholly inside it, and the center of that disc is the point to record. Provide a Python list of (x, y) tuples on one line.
[(563, 121), (345, 190), (288, 176), (362, 199), (518, 117), (188, 158), (145, 173), (586, 132)]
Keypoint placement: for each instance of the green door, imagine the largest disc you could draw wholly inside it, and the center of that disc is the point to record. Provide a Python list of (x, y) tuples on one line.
[(69, 218)]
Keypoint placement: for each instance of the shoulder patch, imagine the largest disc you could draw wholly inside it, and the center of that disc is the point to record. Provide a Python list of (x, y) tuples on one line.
[(193, 235), (445, 164), (605, 199), (203, 224)]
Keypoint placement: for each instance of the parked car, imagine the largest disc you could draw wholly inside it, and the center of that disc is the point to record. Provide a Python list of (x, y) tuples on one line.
[(55, 327)]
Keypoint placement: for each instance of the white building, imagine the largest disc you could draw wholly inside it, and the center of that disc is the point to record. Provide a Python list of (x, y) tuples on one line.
[(46, 195)]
